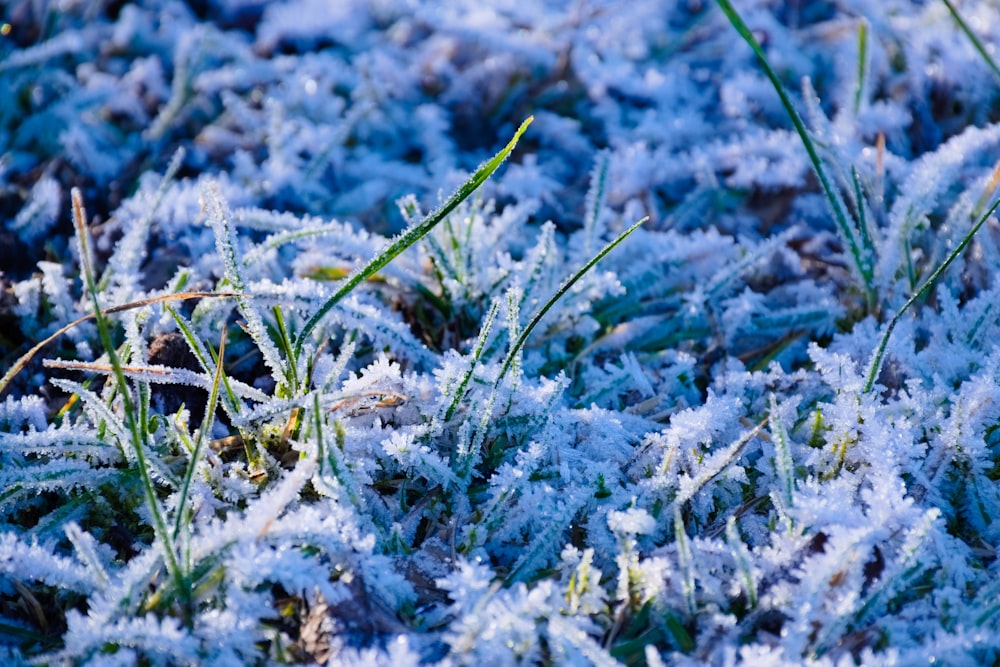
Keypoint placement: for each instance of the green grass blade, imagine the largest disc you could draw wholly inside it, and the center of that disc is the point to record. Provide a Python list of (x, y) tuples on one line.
[(206, 428), (839, 214), (285, 343), (411, 236), (867, 245), (565, 287), (862, 64), (741, 554), (205, 359), (484, 333), (979, 46), (685, 561), (876, 364), (129, 409)]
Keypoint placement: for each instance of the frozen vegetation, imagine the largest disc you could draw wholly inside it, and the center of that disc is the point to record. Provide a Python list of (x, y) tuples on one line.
[(319, 409)]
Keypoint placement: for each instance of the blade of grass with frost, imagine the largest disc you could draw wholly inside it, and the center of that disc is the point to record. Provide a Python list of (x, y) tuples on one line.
[(990, 595), (783, 460), (743, 560), (477, 351), (152, 502), (866, 237), (730, 273), (468, 267), (411, 236), (979, 46), (863, 227), (219, 217), (540, 255), (594, 201), (515, 296), (862, 64), (286, 346), (476, 439), (685, 560), (970, 338), (984, 198), (441, 264), (861, 262), (198, 350), (280, 239), (565, 287), (206, 426), (129, 250), (876, 364), (83, 543)]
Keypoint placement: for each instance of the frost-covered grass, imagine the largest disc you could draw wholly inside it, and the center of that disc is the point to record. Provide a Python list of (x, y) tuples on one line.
[(704, 372)]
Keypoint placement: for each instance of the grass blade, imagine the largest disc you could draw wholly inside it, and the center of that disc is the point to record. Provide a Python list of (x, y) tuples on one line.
[(285, 343), (839, 214), (867, 244), (876, 363), (565, 287), (203, 433), (862, 64), (477, 351), (979, 46), (411, 236), (220, 218), (129, 409)]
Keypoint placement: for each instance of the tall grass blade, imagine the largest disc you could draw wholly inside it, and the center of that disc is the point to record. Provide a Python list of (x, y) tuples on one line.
[(867, 244), (839, 213), (976, 43), (565, 287), (876, 363), (411, 236), (685, 561), (862, 64), (203, 433), (285, 343), (477, 352), (129, 409), (743, 561)]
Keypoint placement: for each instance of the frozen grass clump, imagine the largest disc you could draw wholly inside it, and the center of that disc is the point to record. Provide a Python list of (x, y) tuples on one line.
[(317, 351)]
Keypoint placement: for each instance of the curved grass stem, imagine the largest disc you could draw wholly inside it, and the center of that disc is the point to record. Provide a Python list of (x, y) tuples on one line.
[(876, 363), (862, 259)]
